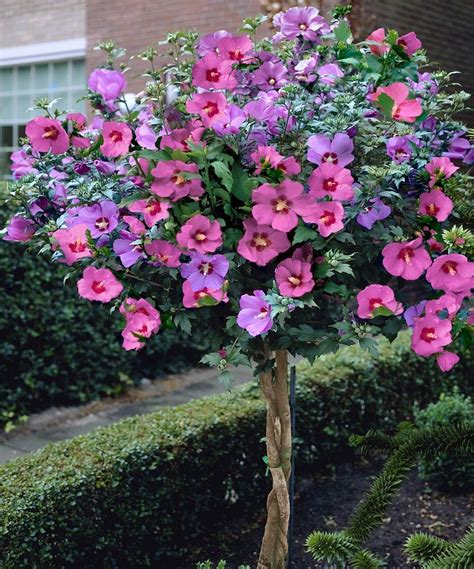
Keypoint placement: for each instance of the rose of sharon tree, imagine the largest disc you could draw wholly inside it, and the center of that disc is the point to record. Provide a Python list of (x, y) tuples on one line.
[(293, 194)]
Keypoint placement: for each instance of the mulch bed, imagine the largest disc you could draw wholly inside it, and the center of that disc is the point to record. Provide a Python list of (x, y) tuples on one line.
[(326, 504)]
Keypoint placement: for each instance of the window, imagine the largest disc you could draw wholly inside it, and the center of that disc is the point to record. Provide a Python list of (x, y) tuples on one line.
[(21, 85)]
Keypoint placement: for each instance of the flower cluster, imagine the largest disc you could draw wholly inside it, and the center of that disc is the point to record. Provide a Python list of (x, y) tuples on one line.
[(299, 188)]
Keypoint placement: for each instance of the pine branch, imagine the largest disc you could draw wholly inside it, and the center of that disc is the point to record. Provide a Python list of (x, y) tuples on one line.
[(459, 556), (423, 548), (330, 547), (365, 560)]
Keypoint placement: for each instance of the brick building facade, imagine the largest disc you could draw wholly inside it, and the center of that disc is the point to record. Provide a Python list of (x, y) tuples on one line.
[(46, 45)]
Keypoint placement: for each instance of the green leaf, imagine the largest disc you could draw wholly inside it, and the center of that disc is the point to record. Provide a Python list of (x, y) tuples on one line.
[(321, 270), (369, 345), (182, 321), (304, 233), (382, 311), (386, 103), (223, 173), (342, 32), (242, 185)]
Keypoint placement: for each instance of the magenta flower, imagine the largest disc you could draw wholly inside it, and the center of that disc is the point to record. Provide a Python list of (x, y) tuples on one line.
[(213, 72), (451, 273), (377, 296), (99, 284), (304, 70), (200, 234), (203, 297), (305, 22), (100, 218), (47, 135), (281, 205), (161, 252), (403, 109), (22, 164), (153, 210), (135, 225), (108, 83), (234, 48), (410, 43), (328, 216), (211, 107), (440, 169), (294, 278), (430, 335), (73, 243), (330, 73), (171, 180), (146, 137), (138, 327), (435, 204), (117, 138), (270, 75), (400, 148), (255, 314), (446, 360), (260, 243), (205, 271), (131, 306), (231, 122), (129, 248), (333, 181), (378, 36), (323, 149), (180, 137), (209, 43), (20, 229), (266, 157), (446, 303), (373, 213), (408, 259)]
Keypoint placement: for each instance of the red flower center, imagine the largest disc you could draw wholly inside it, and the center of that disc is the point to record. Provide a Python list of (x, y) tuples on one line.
[(51, 132), (406, 254), (213, 75), (210, 109), (260, 241), (153, 208), (432, 209), (295, 280), (428, 335), (200, 236), (98, 287), (77, 246), (206, 269), (178, 178), (236, 55), (330, 185), (102, 223), (450, 268), (375, 303), (330, 157), (328, 218), (116, 136), (281, 205)]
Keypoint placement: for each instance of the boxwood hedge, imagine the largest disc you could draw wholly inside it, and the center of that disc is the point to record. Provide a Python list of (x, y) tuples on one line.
[(143, 492)]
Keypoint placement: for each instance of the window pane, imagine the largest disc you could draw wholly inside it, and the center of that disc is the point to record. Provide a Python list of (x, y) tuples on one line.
[(78, 72), (24, 78), (60, 76), (6, 79), (21, 131), (62, 104), (6, 136), (41, 76), (6, 108), (24, 102)]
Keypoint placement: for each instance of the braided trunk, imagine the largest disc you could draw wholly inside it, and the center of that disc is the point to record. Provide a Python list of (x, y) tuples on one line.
[(274, 549)]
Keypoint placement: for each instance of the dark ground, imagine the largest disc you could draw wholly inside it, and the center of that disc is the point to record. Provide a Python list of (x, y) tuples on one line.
[(326, 504)]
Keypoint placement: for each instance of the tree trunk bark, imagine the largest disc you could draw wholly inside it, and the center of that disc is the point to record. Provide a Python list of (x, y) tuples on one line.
[(274, 549)]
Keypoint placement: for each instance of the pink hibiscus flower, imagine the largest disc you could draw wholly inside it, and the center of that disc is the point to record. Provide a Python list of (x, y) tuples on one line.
[(200, 234), (446, 303), (440, 169), (211, 107), (294, 278), (171, 180), (328, 216), (446, 360), (403, 109), (152, 209), (333, 181), (234, 48), (180, 137), (161, 252), (435, 204), (377, 296), (117, 138), (138, 327), (410, 43), (47, 135), (99, 284), (132, 306), (430, 335), (408, 259), (378, 36), (73, 243), (451, 273), (260, 243), (204, 297), (214, 72), (280, 206)]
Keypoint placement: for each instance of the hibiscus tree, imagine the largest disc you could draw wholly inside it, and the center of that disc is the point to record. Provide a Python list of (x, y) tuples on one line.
[(285, 196)]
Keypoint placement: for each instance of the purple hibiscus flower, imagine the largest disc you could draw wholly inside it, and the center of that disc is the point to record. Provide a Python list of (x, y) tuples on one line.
[(270, 76), (108, 83), (458, 146), (128, 248), (375, 212), (413, 312), (209, 43), (255, 314), (323, 149), (205, 271), (101, 218), (304, 22), (400, 148), (235, 116)]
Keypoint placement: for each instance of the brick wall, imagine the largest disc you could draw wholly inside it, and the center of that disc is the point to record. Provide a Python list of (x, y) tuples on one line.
[(134, 25), (25, 22)]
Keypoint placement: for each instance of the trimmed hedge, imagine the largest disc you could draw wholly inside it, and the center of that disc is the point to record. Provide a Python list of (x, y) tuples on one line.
[(56, 348), (146, 490)]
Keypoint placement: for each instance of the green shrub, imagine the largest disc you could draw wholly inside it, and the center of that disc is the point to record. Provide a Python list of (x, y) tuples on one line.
[(447, 469), (56, 348), (144, 491)]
